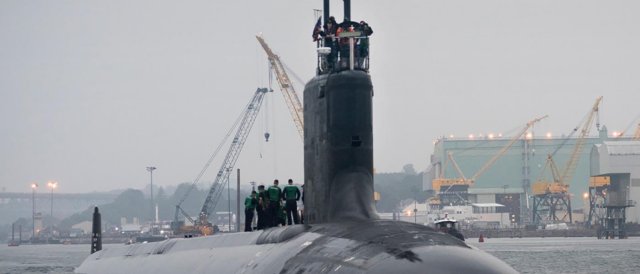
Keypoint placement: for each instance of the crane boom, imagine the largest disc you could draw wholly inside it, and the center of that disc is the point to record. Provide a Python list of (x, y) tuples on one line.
[(289, 93), (179, 209), (570, 168), (232, 155), (457, 167), (504, 149)]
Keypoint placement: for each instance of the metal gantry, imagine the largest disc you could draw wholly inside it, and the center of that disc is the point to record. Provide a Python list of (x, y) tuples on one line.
[(598, 186)]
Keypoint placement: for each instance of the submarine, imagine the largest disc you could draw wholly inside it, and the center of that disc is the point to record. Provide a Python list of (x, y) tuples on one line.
[(342, 231)]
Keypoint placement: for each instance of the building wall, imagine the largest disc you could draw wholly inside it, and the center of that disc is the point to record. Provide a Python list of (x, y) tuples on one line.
[(509, 170), (485, 198)]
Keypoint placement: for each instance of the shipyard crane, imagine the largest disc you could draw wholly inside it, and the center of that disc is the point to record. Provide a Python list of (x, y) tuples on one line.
[(636, 134), (457, 186), (202, 224), (288, 91), (551, 197)]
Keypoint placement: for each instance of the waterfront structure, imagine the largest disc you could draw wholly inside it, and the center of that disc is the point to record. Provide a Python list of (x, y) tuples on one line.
[(518, 168), (616, 156), (474, 215)]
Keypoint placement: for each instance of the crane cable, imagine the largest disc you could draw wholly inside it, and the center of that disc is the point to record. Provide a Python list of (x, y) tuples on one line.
[(267, 134), (273, 120), (290, 71)]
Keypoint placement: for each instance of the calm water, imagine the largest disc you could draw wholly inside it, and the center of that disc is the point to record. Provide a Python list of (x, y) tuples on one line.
[(527, 255), (565, 255)]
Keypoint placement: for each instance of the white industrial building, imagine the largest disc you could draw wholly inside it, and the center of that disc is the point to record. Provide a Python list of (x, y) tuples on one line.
[(620, 157)]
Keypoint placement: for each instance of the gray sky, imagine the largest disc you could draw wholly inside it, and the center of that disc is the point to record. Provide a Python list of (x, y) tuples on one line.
[(93, 92)]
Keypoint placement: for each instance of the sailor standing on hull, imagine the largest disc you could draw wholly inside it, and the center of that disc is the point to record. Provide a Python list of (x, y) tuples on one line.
[(250, 204), (275, 195), (291, 196), (263, 201)]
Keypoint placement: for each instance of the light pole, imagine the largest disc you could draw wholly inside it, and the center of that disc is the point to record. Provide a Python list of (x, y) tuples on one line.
[(151, 169), (504, 197), (415, 211), (52, 185), (34, 186)]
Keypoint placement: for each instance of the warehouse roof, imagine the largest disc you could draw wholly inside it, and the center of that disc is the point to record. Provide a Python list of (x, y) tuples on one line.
[(622, 147)]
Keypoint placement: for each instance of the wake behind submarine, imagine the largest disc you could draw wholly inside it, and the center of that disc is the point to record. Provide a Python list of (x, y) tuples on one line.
[(343, 233)]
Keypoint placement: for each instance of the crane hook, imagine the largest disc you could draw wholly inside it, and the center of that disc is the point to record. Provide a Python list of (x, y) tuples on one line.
[(266, 136)]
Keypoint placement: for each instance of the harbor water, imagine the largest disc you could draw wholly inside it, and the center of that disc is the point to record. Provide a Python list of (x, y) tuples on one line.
[(527, 255)]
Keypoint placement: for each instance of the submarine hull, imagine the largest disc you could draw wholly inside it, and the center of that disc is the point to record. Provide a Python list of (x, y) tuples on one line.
[(375, 246)]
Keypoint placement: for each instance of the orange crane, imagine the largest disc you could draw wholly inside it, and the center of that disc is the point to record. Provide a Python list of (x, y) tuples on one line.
[(457, 186), (549, 196), (288, 91)]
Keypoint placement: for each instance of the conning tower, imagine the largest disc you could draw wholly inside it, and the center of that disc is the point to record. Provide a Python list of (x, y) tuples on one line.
[(338, 133)]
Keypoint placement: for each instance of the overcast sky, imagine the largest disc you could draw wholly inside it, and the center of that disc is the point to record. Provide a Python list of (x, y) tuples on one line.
[(93, 92)]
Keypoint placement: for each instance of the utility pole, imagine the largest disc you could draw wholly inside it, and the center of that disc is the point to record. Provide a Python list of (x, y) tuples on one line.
[(151, 169), (238, 203), (229, 203), (504, 198), (34, 186), (52, 185), (415, 211)]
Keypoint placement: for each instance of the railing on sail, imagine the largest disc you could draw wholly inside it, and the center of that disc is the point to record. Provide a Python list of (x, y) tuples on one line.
[(349, 50)]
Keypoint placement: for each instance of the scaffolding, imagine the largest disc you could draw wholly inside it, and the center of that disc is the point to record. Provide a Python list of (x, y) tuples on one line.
[(597, 193), (615, 205)]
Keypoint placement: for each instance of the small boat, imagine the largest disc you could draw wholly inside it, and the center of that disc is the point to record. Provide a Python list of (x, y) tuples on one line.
[(14, 243), (449, 226)]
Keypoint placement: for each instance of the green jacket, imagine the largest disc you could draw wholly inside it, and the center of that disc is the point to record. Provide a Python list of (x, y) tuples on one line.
[(250, 203), (291, 192), (263, 195), (275, 193)]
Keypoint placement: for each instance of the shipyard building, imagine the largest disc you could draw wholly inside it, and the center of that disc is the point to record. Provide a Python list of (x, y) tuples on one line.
[(509, 180)]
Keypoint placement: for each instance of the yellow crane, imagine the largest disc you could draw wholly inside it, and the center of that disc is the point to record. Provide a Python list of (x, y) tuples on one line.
[(636, 135), (463, 182), (562, 179), (550, 196), (288, 91)]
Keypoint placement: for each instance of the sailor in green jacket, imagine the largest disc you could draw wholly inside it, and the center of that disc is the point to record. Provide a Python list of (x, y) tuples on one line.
[(291, 196), (263, 208), (275, 195), (250, 204)]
